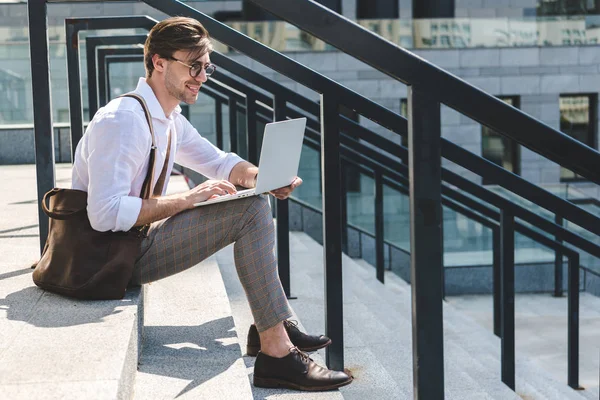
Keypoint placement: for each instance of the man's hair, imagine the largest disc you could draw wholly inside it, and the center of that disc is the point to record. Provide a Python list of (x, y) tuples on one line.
[(173, 34)]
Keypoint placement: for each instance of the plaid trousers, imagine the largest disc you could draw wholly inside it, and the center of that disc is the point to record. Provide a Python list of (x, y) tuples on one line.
[(183, 240)]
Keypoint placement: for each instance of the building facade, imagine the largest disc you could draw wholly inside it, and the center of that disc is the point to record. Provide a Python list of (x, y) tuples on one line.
[(541, 56)]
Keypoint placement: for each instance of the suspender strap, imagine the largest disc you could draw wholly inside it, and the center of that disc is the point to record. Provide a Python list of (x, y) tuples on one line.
[(160, 184), (146, 193)]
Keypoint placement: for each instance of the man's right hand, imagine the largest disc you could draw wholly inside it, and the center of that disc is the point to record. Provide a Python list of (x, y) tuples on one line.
[(208, 189)]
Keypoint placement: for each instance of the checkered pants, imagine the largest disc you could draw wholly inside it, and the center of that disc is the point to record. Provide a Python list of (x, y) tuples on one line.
[(182, 241)]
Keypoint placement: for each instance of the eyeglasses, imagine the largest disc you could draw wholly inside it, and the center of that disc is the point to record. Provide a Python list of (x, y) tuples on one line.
[(196, 68)]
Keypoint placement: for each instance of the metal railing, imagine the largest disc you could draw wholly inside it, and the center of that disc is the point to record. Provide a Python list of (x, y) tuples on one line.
[(429, 87), (385, 169)]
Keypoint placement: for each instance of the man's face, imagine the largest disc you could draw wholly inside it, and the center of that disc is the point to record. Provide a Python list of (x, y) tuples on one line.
[(178, 81)]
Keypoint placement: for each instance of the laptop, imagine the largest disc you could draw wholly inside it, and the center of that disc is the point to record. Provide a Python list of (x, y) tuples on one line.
[(279, 159)]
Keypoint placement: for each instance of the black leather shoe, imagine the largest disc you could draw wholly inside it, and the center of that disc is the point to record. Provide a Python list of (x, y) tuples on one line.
[(301, 340), (296, 371)]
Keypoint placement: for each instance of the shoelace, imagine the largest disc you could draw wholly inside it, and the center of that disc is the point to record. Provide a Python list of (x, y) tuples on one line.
[(291, 323), (304, 356)]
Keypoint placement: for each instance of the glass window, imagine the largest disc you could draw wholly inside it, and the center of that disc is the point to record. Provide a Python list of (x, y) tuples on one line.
[(578, 120), (500, 149), (567, 7), (376, 9)]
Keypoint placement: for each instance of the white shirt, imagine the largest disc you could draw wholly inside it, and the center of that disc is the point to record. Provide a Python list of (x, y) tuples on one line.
[(111, 160)]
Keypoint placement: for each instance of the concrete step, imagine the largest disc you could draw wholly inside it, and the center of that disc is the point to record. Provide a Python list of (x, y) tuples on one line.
[(53, 347), (243, 318), (399, 307), (367, 306), (191, 349), (541, 332)]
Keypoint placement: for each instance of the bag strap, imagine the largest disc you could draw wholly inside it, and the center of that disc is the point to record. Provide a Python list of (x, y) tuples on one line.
[(60, 215), (146, 192), (160, 184)]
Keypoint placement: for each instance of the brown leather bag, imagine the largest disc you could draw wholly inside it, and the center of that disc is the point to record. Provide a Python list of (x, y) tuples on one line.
[(81, 262)]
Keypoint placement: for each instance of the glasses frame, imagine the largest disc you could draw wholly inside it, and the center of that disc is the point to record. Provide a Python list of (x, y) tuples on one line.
[(204, 67)]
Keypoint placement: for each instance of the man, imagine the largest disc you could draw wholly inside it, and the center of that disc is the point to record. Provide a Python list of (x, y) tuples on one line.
[(111, 163)]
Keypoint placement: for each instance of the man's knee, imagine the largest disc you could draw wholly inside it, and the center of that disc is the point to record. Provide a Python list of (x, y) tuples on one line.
[(261, 208)]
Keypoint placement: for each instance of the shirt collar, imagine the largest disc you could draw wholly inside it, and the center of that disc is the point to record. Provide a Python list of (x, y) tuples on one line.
[(156, 110)]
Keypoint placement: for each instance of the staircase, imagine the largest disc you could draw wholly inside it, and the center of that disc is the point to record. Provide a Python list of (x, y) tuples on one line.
[(196, 324), (373, 332)]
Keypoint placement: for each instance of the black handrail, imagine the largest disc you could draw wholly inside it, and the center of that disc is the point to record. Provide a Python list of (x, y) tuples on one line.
[(72, 27), (410, 69), (418, 96)]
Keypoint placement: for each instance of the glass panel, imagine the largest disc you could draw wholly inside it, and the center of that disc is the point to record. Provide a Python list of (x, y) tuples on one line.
[(310, 172), (361, 205)]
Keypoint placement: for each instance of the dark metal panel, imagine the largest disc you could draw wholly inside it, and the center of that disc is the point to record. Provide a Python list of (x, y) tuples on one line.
[(447, 88), (332, 224), (573, 324), (507, 284), (426, 244), (379, 228), (42, 107)]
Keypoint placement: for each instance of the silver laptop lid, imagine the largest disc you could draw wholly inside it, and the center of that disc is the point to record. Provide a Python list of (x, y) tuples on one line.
[(280, 154)]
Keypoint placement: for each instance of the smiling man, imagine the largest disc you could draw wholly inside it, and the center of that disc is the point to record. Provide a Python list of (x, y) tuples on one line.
[(111, 163)]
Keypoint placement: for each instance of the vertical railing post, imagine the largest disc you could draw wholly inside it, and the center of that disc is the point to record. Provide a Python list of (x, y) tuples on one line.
[(496, 278), (424, 138), (251, 134), (74, 83), (332, 224), (558, 264), (283, 217), (344, 191), (233, 126), (219, 123), (42, 106), (573, 321), (92, 79), (507, 284), (379, 229)]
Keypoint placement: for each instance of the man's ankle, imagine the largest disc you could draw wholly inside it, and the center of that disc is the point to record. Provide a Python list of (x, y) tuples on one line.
[(275, 342)]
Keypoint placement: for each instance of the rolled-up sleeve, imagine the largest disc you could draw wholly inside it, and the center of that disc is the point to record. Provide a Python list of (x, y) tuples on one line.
[(118, 155), (197, 153)]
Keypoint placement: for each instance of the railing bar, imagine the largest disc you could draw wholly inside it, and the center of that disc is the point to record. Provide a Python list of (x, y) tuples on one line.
[(283, 219), (497, 279), (379, 228), (573, 322), (426, 245), (219, 122), (42, 107), (332, 224), (233, 126), (558, 263), (507, 284)]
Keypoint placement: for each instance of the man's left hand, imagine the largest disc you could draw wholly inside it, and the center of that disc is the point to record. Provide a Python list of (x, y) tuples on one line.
[(285, 192)]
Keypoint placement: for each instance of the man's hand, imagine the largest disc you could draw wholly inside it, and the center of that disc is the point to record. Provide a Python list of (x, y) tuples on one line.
[(207, 190), (285, 192)]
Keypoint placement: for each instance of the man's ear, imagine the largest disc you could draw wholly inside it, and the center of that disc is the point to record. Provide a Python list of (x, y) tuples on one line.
[(159, 63)]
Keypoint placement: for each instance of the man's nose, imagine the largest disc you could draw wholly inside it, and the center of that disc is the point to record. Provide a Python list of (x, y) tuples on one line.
[(202, 76)]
